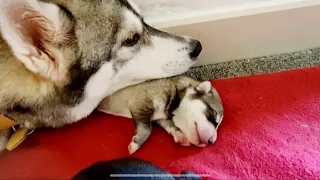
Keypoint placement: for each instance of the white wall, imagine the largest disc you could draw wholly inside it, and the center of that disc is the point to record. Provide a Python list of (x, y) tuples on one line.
[(236, 29), (168, 13), (255, 35), (156, 9)]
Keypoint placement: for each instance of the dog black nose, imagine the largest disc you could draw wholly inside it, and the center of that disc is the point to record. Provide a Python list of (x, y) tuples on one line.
[(210, 141), (197, 49)]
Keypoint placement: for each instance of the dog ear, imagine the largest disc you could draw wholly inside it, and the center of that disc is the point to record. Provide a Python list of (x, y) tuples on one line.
[(205, 86), (35, 31), (70, 5)]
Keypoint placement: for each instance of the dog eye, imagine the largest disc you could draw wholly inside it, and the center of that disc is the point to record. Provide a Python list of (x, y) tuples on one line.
[(132, 40)]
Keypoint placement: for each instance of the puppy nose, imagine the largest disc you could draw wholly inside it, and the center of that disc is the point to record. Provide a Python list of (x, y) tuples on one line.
[(196, 50), (210, 141)]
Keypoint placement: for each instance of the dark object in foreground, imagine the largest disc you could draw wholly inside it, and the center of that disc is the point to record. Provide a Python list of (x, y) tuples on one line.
[(129, 168)]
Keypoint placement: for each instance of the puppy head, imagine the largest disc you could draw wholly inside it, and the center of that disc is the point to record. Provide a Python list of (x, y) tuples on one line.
[(199, 114), (101, 43)]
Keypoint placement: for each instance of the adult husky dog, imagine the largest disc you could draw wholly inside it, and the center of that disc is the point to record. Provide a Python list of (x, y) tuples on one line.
[(60, 58)]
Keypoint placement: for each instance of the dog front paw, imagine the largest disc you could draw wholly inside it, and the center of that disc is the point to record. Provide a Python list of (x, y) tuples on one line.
[(133, 147), (180, 138)]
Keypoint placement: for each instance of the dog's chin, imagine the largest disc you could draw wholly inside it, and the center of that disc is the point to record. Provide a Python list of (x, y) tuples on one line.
[(201, 145), (199, 139), (166, 72), (172, 70), (192, 136), (194, 139)]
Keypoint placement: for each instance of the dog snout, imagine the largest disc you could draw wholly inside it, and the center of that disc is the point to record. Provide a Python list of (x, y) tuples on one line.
[(207, 135), (212, 140), (197, 48)]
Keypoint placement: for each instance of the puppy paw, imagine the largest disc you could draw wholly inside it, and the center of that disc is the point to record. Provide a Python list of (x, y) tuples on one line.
[(180, 138), (133, 147)]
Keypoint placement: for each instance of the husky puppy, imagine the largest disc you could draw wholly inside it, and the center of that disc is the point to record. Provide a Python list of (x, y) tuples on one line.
[(189, 110), (127, 169), (60, 58)]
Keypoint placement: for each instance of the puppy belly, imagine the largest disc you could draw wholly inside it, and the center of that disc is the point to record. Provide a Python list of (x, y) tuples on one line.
[(115, 107)]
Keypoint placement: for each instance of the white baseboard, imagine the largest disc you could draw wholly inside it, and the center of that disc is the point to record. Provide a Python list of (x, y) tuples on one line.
[(267, 28)]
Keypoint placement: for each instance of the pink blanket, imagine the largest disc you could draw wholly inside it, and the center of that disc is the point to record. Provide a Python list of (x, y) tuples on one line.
[(270, 131)]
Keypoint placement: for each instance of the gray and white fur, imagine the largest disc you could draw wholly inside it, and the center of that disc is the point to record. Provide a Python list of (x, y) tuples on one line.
[(60, 58), (189, 110)]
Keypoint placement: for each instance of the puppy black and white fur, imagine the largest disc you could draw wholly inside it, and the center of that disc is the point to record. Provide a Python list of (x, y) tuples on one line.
[(189, 110), (60, 58), (129, 168)]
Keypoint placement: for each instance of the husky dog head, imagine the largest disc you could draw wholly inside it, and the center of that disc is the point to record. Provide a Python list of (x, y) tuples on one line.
[(107, 42), (199, 114), (91, 48)]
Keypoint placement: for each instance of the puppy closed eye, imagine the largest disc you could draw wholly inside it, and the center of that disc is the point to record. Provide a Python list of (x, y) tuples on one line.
[(132, 40), (212, 116)]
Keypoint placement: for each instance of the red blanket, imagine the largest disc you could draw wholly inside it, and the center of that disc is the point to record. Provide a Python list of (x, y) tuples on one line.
[(270, 130)]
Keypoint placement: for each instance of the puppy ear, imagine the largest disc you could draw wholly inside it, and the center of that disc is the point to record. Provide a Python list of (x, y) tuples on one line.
[(35, 31), (204, 86)]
